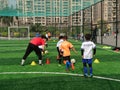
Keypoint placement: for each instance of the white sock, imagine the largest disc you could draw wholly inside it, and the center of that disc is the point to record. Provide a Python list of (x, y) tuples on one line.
[(40, 61), (22, 62)]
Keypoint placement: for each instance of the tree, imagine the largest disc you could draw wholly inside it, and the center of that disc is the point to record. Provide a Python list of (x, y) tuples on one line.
[(38, 28), (6, 20)]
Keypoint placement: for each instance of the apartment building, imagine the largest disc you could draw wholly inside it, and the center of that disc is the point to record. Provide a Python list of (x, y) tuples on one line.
[(50, 12), (110, 13), (57, 12), (45, 12), (3, 4), (62, 13)]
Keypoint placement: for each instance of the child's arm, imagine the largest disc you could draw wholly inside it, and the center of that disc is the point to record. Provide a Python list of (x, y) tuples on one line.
[(82, 51), (94, 51), (74, 49)]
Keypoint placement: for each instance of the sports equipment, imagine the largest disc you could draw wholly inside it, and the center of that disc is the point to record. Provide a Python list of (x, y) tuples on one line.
[(73, 60), (46, 51)]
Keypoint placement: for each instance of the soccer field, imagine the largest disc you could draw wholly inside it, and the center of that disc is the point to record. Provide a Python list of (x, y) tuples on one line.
[(51, 76)]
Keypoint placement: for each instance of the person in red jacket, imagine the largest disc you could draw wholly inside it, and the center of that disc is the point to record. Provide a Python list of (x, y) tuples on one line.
[(37, 45)]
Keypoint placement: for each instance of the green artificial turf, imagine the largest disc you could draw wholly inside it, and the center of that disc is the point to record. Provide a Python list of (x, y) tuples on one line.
[(12, 51)]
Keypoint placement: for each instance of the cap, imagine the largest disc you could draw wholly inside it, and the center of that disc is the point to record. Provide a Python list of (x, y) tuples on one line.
[(37, 35)]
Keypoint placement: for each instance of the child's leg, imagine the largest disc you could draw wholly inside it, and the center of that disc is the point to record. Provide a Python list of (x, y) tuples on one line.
[(39, 54), (68, 63), (60, 59), (85, 68), (90, 68)]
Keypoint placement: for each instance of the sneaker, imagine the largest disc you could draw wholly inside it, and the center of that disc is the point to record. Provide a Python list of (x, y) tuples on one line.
[(41, 64), (91, 75), (85, 75)]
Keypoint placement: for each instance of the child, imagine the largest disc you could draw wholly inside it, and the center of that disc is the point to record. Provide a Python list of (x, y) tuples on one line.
[(88, 49), (59, 57), (65, 48)]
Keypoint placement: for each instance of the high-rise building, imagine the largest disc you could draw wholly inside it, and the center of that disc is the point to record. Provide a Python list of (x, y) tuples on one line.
[(49, 12), (3, 4), (109, 13), (62, 13)]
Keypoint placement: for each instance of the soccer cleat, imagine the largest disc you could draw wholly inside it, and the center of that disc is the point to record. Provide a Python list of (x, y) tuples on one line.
[(22, 64)]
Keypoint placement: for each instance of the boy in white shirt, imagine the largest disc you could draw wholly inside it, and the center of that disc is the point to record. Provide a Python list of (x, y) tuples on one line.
[(59, 57), (88, 49)]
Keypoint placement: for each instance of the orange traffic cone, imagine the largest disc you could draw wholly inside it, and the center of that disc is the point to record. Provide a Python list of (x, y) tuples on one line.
[(72, 66), (47, 61)]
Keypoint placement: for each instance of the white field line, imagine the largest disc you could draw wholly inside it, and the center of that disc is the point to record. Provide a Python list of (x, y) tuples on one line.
[(58, 73)]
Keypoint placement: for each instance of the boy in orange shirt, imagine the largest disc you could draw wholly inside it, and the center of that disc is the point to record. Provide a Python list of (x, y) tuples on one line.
[(65, 48)]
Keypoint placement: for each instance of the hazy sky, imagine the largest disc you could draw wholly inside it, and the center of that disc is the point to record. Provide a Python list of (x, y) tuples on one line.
[(12, 2)]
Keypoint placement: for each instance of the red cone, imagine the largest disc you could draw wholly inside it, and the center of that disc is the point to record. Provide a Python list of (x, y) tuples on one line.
[(47, 61)]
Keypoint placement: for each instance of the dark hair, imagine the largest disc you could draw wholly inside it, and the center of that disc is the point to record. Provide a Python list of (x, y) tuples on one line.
[(43, 36), (88, 36), (60, 37)]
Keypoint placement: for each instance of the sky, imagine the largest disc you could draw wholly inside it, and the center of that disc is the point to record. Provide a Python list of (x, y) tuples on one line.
[(12, 2)]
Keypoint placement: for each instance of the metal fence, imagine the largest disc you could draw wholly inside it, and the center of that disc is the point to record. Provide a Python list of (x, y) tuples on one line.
[(101, 19), (104, 23)]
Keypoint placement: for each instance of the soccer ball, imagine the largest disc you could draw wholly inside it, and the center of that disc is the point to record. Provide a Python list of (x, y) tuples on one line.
[(42, 52), (46, 51), (73, 60)]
